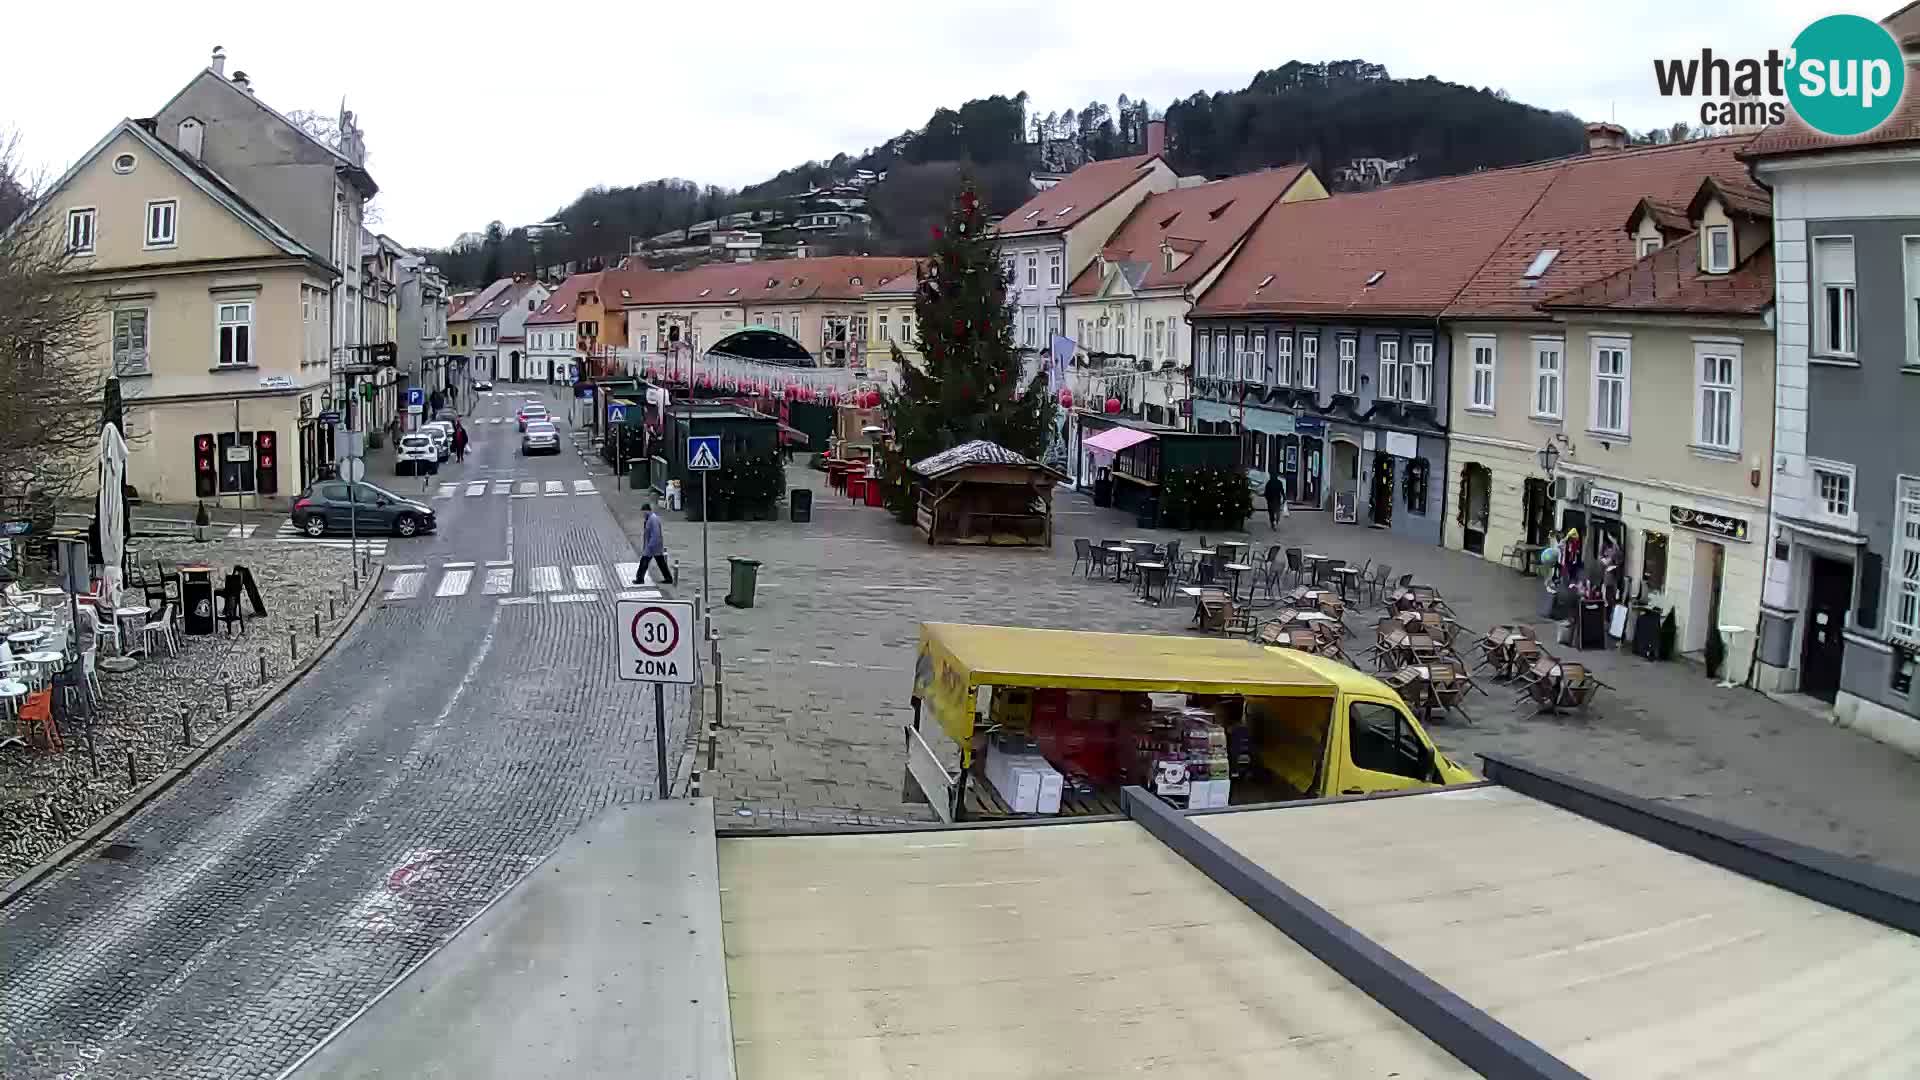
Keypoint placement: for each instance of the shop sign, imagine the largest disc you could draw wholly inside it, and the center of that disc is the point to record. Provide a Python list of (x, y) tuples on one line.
[(1604, 499), (940, 682), (276, 382), (1726, 525), (306, 406), (1403, 444), (1310, 425)]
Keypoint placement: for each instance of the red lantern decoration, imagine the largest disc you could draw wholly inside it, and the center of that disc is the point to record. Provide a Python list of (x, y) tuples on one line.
[(873, 399), (1066, 399), (1113, 405), (833, 396)]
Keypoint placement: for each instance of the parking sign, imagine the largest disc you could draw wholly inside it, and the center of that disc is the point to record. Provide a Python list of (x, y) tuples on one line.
[(656, 641)]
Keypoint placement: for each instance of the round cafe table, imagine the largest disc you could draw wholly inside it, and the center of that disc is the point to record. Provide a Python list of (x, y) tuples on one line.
[(45, 658), (26, 637), (121, 615)]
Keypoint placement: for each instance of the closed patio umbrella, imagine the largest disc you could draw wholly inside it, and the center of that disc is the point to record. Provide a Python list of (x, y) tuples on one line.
[(112, 506)]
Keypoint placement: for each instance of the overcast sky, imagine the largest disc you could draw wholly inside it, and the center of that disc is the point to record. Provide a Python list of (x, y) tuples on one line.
[(479, 111)]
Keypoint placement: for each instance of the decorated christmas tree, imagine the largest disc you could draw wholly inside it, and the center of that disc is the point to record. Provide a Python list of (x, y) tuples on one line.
[(966, 385)]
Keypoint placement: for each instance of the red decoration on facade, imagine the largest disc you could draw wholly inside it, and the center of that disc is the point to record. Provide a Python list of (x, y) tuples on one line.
[(1066, 399), (1113, 405)]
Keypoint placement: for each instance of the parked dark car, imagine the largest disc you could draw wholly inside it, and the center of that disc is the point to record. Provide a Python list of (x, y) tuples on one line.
[(325, 507)]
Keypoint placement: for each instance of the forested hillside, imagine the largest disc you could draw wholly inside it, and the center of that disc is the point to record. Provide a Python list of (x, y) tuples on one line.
[(1354, 123)]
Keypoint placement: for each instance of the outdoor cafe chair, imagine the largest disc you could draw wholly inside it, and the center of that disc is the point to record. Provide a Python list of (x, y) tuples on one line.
[(161, 629), (36, 720), (1294, 565), (1082, 553)]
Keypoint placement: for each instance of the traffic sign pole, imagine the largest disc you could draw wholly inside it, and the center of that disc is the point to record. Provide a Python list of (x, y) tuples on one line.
[(660, 737), (706, 583)]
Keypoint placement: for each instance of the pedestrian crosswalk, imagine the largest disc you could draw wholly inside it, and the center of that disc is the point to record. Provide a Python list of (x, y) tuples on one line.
[(574, 584), (520, 489), (375, 546)]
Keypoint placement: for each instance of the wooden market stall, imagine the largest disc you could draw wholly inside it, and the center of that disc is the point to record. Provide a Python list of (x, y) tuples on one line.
[(1135, 456), (983, 493)]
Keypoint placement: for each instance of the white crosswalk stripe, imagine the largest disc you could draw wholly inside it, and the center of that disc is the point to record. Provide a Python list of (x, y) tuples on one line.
[(499, 582), (478, 487), (583, 487), (454, 583), (235, 533), (502, 487), (623, 572), (572, 598), (376, 546), (526, 487), (588, 576), (555, 487), (445, 491), (406, 586), (545, 579)]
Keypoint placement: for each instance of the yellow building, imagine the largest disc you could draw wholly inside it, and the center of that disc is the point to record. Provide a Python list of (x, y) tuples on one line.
[(214, 319), (890, 325)]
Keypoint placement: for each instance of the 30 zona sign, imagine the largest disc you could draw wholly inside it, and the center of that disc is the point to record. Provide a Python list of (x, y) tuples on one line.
[(656, 641)]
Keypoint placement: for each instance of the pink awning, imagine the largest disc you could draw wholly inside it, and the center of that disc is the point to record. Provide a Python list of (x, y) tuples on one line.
[(1115, 439)]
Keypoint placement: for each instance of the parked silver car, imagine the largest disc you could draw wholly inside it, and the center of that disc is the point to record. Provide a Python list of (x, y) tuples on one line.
[(541, 437)]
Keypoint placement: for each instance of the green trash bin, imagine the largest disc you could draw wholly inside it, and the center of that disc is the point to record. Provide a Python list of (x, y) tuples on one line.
[(744, 575)]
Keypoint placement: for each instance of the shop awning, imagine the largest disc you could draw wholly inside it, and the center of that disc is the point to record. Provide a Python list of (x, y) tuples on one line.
[(1115, 439)]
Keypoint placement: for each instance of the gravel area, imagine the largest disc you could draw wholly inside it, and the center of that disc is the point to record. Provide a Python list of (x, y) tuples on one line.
[(46, 799)]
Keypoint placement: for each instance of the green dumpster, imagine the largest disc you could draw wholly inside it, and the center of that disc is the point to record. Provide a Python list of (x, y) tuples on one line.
[(743, 575)]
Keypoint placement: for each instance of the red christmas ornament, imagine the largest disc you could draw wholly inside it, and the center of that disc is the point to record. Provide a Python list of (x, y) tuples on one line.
[(1113, 405), (938, 232), (1066, 399)]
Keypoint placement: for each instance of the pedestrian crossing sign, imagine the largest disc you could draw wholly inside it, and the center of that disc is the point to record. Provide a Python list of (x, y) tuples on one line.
[(703, 453)]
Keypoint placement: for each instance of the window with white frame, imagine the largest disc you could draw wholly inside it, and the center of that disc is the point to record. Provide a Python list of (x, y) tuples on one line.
[(1203, 355), (1033, 270), (1242, 367), (1719, 243), (161, 215), (1349, 373), (236, 334), (1006, 270), (1222, 359), (1283, 360), (80, 231), (1483, 358), (1053, 268), (1717, 396), (1830, 493), (1548, 361), (1053, 325), (1912, 357), (1612, 385), (1834, 296), (1259, 372), (1389, 386), (1032, 328), (1903, 622), (1310, 361), (883, 331), (130, 341), (1120, 336), (1648, 245), (906, 328), (1417, 378)]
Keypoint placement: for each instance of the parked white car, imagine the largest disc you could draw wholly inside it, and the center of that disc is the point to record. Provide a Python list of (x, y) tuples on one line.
[(442, 434), (416, 454)]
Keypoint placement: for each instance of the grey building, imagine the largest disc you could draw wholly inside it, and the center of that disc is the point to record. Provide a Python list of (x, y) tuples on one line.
[(1840, 619), (422, 336)]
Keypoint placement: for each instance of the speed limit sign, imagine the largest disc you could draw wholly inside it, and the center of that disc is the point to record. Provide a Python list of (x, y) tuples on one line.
[(656, 641)]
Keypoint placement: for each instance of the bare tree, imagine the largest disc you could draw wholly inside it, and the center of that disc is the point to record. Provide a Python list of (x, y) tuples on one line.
[(51, 383)]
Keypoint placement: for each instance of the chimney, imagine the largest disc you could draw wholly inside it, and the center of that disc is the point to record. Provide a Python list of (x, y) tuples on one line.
[(1603, 136), (191, 134), (1156, 137), (245, 84), (219, 64)]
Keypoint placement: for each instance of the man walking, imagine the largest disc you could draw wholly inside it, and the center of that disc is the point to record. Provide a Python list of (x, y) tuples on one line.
[(653, 545), (1276, 496)]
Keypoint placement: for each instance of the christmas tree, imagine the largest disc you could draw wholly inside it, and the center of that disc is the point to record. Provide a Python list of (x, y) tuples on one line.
[(966, 385)]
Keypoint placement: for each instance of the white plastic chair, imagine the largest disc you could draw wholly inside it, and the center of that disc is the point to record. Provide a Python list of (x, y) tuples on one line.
[(90, 661), (161, 628)]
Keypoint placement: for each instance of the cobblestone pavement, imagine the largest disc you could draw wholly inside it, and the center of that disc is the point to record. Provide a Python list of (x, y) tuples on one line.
[(140, 709), (818, 677), (442, 749)]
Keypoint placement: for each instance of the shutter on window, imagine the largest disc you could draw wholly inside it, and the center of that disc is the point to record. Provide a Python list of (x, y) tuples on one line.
[(1833, 259), (1866, 613), (1460, 509)]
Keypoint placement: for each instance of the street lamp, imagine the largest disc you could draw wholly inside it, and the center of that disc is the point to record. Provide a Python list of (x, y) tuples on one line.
[(1548, 457)]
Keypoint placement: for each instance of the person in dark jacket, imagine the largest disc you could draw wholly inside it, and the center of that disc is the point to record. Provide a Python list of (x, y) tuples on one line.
[(459, 441), (653, 545), (1276, 496)]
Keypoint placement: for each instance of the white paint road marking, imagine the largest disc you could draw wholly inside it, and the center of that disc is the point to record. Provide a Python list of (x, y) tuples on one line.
[(572, 598), (406, 586), (506, 600), (899, 588), (588, 577), (400, 567), (456, 566), (555, 487), (502, 487), (623, 573), (498, 582), (499, 562), (235, 533), (583, 487), (545, 579), (445, 492), (640, 594), (454, 583), (478, 487), (526, 487)]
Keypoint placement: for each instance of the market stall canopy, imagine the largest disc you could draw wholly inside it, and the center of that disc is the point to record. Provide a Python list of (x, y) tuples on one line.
[(1115, 439), (1150, 663), (766, 346), (969, 454)]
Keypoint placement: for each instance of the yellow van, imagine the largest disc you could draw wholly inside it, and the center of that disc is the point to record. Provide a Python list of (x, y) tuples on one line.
[(1316, 727)]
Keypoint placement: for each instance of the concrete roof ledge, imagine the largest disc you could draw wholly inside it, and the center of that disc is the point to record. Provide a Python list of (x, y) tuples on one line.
[(625, 914)]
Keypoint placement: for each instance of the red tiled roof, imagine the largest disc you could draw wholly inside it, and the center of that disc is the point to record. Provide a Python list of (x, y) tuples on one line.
[(1580, 213), (1795, 137), (1205, 222), (1670, 281), (476, 300), (899, 284), (498, 299), (1085, 190), (1426, 239), (1904, 25), (831, 277), (1665, 218), (562, 304)]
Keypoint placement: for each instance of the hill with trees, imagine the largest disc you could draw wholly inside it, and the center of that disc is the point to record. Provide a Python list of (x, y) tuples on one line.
[(1350, 119)]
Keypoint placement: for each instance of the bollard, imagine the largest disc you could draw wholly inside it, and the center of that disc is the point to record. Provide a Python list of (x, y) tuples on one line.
[(133, 778), (316, 622), (293, 646), (719, 689), (228, 687), (263, 666), (60, 820), (331, 613), (93, 752), (186, 726), (713, 745)]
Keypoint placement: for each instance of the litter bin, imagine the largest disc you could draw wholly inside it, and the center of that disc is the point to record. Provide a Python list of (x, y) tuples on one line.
[(637, 473), (196, 593), (743, 575), (1149, 514), (874, 493), (800, 504)]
